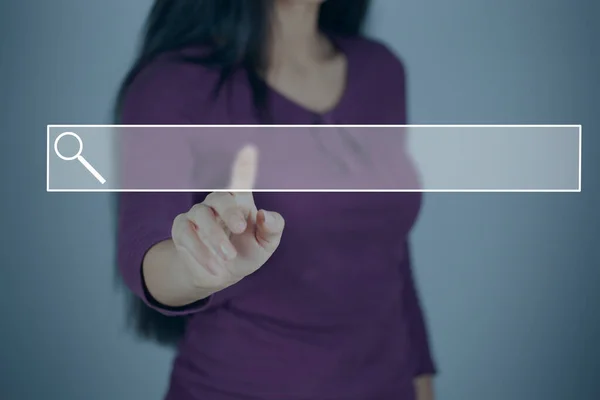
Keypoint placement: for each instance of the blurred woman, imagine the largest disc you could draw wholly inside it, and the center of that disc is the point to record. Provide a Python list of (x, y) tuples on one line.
[(273, 296)]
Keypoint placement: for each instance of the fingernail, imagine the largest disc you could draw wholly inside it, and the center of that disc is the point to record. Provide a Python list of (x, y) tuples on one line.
[(228, 251), (238, 224)]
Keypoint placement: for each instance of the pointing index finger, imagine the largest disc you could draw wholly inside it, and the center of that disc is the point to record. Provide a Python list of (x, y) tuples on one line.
[(244, 169)]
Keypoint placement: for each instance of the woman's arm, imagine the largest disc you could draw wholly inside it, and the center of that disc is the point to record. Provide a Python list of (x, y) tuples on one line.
[(167, 279), (147, 259), (173, 251)]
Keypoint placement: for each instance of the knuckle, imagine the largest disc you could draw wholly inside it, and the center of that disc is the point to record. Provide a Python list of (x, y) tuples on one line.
[(196, 208), (219, 201), (179, 219), (179, 224), (279, 220), (197, 212), (212, 197)]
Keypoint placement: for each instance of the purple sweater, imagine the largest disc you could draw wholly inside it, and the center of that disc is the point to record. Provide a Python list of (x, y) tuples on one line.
[(334, 314)]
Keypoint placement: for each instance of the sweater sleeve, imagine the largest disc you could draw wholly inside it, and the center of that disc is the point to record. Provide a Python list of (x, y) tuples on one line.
[(156, 96), (420, 348)]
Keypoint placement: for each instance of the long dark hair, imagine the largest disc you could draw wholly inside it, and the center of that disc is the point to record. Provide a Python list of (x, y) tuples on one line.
[(236, 32)]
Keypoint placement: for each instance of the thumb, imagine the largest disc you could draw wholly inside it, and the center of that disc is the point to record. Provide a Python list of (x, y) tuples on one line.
[(269, 228), (244, 169)]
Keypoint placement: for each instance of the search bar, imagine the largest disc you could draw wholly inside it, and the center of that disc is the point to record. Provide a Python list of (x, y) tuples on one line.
[(321, 158)]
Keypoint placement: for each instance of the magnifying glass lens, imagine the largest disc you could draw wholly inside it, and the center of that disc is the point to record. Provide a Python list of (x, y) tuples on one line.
[(68, 147), (71, 146)]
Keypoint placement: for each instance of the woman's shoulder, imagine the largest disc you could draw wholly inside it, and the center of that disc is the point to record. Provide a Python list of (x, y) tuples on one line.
[(174, 69), (169, 83)]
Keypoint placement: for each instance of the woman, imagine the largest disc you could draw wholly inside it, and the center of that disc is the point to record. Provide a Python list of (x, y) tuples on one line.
[(326, 310)]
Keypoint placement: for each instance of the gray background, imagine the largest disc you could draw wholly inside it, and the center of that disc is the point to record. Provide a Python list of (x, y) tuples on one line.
[(509, 281)]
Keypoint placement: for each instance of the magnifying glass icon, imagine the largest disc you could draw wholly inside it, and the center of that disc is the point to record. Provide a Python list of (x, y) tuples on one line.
[(77, 155)]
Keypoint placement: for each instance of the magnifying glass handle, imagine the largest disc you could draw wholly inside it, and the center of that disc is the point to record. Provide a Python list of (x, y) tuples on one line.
[(92, 170)]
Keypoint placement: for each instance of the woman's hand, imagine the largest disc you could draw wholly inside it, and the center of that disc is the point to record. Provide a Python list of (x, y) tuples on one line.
[(225, 238), (424, 388)]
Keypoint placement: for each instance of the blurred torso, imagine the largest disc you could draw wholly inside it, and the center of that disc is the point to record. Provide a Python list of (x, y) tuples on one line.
[(324, 317)]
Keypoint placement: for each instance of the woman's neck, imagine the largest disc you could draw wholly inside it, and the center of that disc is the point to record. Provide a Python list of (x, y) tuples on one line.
[(295, 36)]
